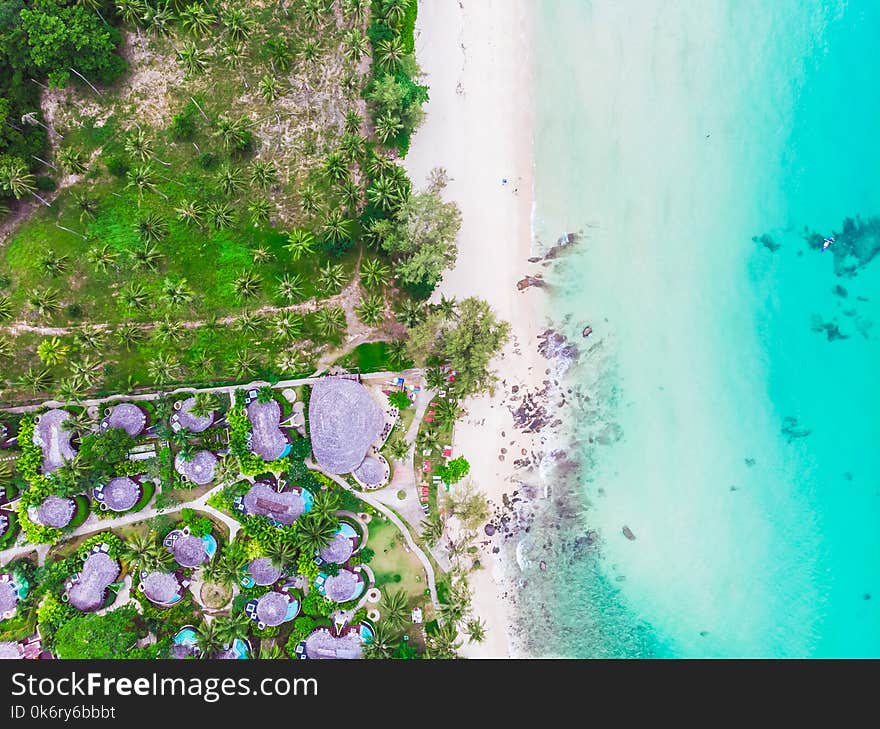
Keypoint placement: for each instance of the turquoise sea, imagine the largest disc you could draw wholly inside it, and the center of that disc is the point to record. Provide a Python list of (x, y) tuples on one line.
[(729, 408)]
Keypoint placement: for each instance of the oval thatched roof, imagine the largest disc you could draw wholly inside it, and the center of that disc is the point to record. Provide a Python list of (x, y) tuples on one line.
[(338, 550), (341, 587), (199, 469), (161, 587), (8, 597), (193, 423), (344, 420), (263, 571), (268, 441), (54, 440), (190, 551), (272, 608), (98, 572), (56, 512), (262, 500), (322, 644), (121, 493), (371, 471), (127, 416), (10, 651)]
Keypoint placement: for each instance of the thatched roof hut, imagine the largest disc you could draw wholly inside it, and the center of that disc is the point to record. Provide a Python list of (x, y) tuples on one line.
[(264, 572), (55, 512), (99, 571), (190, 551), (199, 469), (344, 421), (8, 597), (128, 416), (161, 587), (262, 500), (121, 493), (11, 651), (339, 550), (268, 441), (323, 644), (181, 651), (272, 608), (342, 587), (193, 423), (54, 440), (371, 472)]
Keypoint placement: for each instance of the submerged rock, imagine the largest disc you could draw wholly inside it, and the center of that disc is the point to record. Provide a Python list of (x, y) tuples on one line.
[(791, 429), (767, 241), (627, 532)]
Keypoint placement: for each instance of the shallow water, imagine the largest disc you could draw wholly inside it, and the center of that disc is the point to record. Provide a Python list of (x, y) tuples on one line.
[(736, 441)]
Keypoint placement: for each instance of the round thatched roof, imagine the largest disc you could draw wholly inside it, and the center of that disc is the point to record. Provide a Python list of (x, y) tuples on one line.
[(3, 432), (342, 587), (263, 571), (11, 651), (121, 493), (344, 421), (200, 469), (54, 440), (269, 441), (180, 652), (272, 608), (127, 416), (371, 471), (193, 423), (161, 587), (56, 512), (190, 551), (322, 644), (8, 597), (262, 500), (339, 550), (98, 572)]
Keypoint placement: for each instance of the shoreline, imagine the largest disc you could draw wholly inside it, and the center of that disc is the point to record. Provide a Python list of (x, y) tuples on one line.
[(477, 127)]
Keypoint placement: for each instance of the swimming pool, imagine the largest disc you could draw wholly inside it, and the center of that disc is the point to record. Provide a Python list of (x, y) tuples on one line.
[(240, 649), (308, 499), (210, 545), (292, 609), (366, 632), (186, 636), (285, 451), (347, 530)]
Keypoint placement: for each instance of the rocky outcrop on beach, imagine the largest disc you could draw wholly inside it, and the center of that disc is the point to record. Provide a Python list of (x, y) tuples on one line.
[(529, 282), (566, 240), (554, 345)]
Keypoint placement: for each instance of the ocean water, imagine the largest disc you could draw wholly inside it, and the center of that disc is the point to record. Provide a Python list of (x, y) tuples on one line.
[(729, 399)]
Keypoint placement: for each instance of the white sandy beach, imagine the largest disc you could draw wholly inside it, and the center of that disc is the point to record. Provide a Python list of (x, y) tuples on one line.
[(476, 58)]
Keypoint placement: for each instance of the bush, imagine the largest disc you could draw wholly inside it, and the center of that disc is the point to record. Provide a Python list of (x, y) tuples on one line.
[(400, 400), (47, 184), (116, 166)]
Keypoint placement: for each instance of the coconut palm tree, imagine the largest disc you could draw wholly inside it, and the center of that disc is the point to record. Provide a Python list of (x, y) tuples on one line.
[(138, 144), (355, 45), (220, 214), (371, 310), (196, 19), (190, 212), (411, 313), (146, 258), (310, 50), (388, 127), (300, 243), (383, 643), (259, 210), (356, 9), (395, 609), (238, 23), (204, 403), (152, 227), (447, 412), (282, 552), (428, 439), (269, 87), (399, 449), (436, 378), (35, 379), (102, 257), (391, 53), (247, 286), (5, 308), (336, 228), (335, 167), (447, 306), (135, 296), (72, 160), (245, 363), (163, 368), (131, 11), (331, 277), (53, 264), (52, 351), (397, 351), (290, 287), (264, 174), (287, 325), (261, 254), (313, 11), (265, 394), (5, 348), (231, 179), (249, 322), (378, 231), (168, 331), (432, 529), (352, 144), (353, 122), (325, 505), (208, 639), (235, 133), (309, 200), (270, 652), (278, 50), (141, 178), (129, 334), (44, 302), (374, 273), (475, 629), (143, 553), (87, 368), (314, 534), (87, 206), (349, 195), (290, 361), (159, 19), (176, 293), (385, 193), (394, 10), (15, 179), (456, 607), (71, 389), (234, 627), (444, 642), (90, 337)]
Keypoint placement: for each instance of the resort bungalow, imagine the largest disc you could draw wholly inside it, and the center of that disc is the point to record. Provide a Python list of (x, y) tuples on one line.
[(345, 543), (118, 494), (10, 594), (190, 551), (344, 421), (324, 644), (54, 440), (264, 572), (199, 469), (5, 436), (162, 588), (373, 472), (183, 418), (344, 586), (283, 507), (11, 651), (266, 439), (127, 416), (87, 590), (272, 609), (55, 511)]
